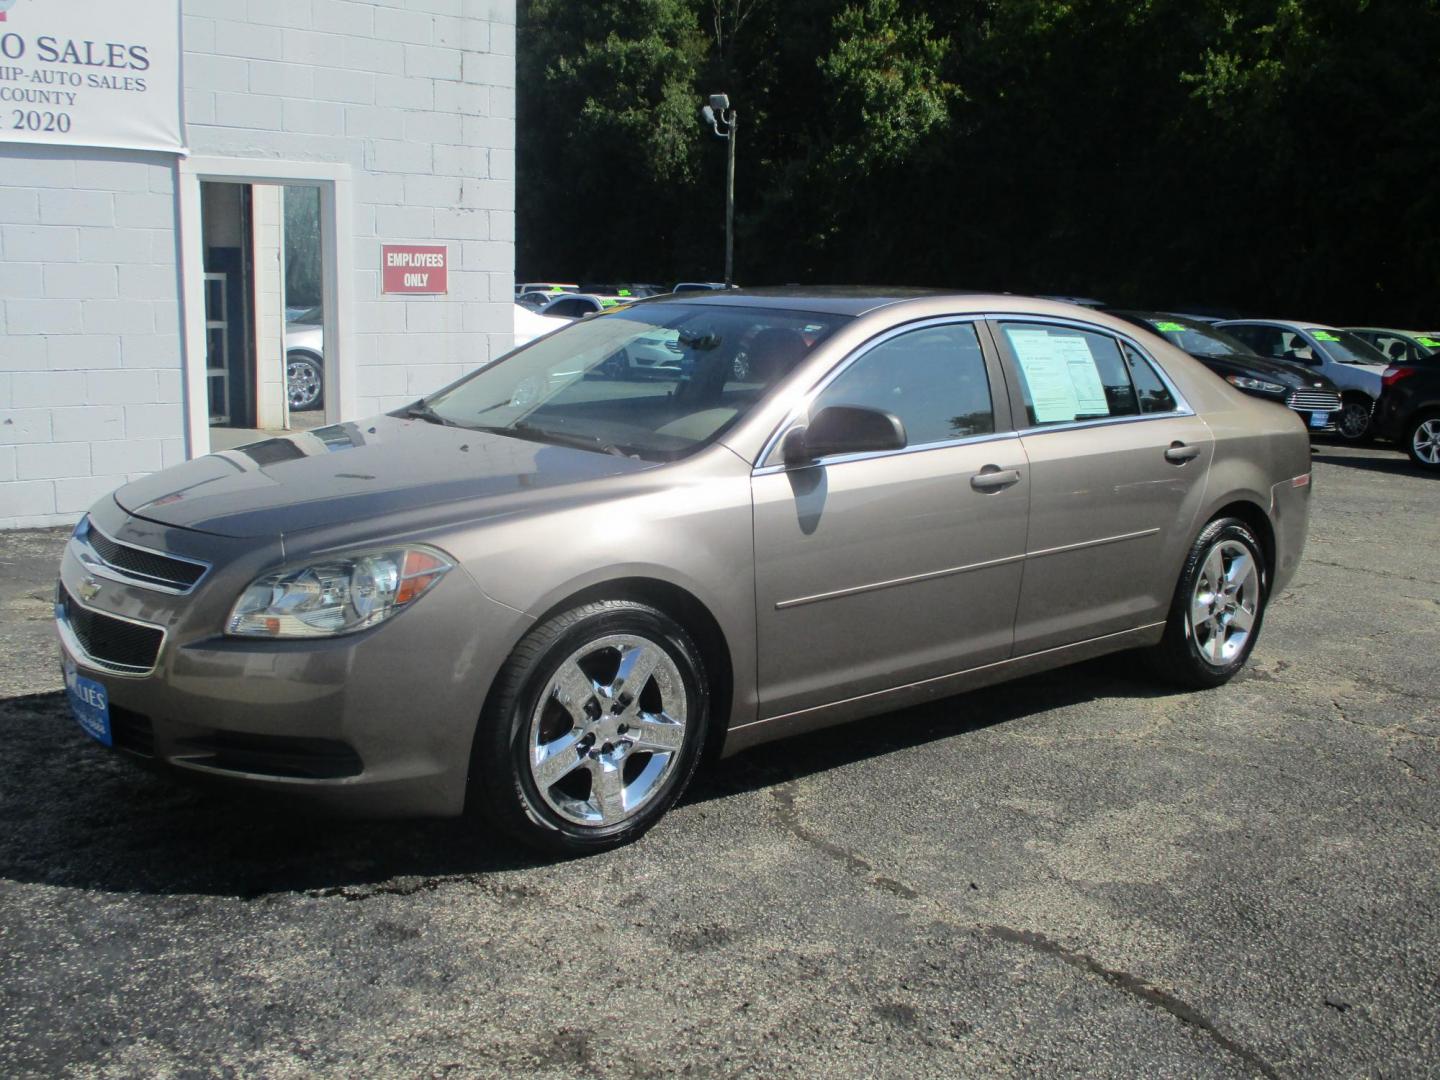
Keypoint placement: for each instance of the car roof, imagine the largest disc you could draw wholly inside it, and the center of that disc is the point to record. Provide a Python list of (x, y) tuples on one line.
[(862, 299), (1296, 324)]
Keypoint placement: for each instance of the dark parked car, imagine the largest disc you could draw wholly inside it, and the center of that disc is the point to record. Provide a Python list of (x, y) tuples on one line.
[(1309, 393), (1409, 411)]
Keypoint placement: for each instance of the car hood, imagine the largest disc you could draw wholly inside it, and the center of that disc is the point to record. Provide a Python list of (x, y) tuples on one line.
[(1292, 375), (358, 472)]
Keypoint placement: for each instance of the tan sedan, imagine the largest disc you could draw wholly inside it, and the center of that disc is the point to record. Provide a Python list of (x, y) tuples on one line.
[(544, 591)]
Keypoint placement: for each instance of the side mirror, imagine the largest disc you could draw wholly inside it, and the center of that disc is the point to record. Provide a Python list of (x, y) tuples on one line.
[(843, 429)]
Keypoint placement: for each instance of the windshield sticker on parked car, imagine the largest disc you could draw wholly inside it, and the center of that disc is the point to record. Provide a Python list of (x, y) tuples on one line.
[(1323, 335), (1061, 374), (1170, 327), (1429, 342)]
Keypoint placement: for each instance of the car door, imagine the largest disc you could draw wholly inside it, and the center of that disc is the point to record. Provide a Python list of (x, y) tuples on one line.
[(878, 570), (1117, 475)]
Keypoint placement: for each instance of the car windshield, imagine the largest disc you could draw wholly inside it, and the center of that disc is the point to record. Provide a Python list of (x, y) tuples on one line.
[(1345, 348), (656, 381), (1197, 338)]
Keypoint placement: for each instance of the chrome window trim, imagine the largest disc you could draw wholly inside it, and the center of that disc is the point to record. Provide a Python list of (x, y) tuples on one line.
[(95, 564), (79, 652), (802, 407), (873, 455), (1182, 405)]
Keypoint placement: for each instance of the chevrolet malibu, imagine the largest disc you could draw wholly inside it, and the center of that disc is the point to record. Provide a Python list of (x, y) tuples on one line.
[(545, 592)]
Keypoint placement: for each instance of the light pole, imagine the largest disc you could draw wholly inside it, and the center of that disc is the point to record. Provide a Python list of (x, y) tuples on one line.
[(721, 118)]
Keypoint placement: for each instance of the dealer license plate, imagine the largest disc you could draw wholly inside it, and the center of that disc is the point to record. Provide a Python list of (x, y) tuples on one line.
[(1319, 419), (89, 702)]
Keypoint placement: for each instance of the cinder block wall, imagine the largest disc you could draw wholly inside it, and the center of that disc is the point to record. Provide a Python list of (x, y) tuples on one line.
[(418, 96)]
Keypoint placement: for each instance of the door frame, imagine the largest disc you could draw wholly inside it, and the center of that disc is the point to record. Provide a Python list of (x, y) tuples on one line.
[(333, 179)]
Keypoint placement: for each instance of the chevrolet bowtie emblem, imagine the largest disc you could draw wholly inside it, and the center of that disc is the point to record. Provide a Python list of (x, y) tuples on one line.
[(89, 589)]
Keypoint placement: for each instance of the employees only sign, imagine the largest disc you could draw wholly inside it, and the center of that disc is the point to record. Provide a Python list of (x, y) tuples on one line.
[(414, 268), (91, 73)]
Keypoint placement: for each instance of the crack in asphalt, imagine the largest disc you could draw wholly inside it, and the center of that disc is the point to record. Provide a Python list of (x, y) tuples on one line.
[(1145, 992), (354, 893), (1388, 734), (1371, 570), (1138, 988)]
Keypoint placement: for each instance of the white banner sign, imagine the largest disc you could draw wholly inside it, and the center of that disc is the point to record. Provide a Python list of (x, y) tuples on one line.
[(91, 73)]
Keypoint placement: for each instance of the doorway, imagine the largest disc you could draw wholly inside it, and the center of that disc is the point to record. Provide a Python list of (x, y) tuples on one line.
[(260, 257), (264, 305)]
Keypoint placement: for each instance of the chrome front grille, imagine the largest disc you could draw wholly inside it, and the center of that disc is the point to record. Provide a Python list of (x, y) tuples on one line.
[(123, 646), (105, 557), (1313, 401)]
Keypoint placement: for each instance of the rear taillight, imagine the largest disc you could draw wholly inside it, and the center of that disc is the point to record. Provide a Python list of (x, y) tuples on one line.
[(1391, 375)]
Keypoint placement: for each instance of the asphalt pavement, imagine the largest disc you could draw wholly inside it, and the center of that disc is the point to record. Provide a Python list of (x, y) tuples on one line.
[(1080, 873)]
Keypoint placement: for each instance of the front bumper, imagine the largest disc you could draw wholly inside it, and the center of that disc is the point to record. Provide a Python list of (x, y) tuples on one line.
[(378, 723)]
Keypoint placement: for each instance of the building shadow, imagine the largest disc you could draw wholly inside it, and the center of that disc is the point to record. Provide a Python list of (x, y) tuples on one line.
[(73, 815), (1398, 464)]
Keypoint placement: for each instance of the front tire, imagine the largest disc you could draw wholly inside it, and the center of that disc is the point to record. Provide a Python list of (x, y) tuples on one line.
[(1353, 424), (304, 381), (1422, 441), (593, 730), (1217, 608)]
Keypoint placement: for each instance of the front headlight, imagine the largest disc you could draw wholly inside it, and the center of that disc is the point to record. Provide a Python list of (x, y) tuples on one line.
[(336, 596), (1255, 386)]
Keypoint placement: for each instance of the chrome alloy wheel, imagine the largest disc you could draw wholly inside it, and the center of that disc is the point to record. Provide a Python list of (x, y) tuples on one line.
[(1224, 603), (1425, 441), (302, 383), (607, 730)]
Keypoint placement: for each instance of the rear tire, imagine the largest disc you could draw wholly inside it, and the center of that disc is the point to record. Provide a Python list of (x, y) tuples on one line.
[(1217, 609), (593, 729), (1422, 441)]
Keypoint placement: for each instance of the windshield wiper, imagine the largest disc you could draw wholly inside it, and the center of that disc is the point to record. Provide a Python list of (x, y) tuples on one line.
[(421, 410), (564, 438)]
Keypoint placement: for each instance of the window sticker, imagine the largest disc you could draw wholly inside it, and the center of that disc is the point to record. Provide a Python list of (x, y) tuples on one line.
[(1061, 374), (1170, 327), (1429, 342), (1323, 335)]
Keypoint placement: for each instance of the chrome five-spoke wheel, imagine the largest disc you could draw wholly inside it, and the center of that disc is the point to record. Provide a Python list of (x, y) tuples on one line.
[(607, 729), (1224, 602), (1425, 442)]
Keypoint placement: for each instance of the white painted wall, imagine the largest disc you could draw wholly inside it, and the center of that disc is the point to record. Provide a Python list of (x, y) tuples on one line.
[(416, 96)]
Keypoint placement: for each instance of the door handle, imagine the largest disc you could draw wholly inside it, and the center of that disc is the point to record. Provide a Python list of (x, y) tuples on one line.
[(1179, 453), (993, 478)]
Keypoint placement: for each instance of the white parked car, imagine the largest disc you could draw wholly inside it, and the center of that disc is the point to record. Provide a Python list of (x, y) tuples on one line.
[(305, 360), (1351, 364), (530, 325)]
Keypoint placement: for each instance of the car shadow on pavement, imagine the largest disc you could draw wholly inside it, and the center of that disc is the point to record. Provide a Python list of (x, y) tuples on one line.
[(74, 815), (1389, 463), (820, 751)]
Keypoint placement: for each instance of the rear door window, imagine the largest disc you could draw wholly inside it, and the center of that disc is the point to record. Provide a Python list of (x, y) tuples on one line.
[(1154, 395)]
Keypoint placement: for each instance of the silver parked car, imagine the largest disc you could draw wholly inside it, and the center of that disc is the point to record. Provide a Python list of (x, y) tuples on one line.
[(544, 591), (1351, 364)]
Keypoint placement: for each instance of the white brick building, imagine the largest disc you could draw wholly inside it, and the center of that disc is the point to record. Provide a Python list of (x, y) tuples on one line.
[(399, 113)]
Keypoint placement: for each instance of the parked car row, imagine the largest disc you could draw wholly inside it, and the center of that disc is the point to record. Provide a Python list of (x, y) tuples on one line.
[(1354, 382)]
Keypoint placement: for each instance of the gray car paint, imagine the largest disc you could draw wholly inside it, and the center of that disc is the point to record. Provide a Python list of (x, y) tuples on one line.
[(533, 527)]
